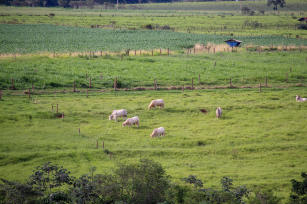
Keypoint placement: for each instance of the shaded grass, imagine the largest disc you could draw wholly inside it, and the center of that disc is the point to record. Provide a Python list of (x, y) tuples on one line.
[(259, 140)]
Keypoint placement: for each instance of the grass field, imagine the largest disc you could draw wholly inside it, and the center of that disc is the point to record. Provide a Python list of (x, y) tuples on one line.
[(245, 68), (283, 24), (50, 38), (260, 141)]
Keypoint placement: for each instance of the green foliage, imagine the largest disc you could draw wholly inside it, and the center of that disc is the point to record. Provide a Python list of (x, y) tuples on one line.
[(261, 196), (276, 3), (15, 192), (299, 190), (49, 176), (142, 183)]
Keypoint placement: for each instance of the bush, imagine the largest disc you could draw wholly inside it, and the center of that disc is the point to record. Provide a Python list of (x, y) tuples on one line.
[(263, 196), (299, 190)]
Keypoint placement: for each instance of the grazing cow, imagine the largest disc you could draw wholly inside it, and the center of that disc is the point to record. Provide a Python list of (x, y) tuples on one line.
[(218, 112), (158, 132), (118, 113), (132, 121), (299, 99), (157, 102)]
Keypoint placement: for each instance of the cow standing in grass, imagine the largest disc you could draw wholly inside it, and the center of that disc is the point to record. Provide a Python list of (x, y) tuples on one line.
[(158, 132), (157, 102), (132, 121), (299, 99), (218, 112), (118, 113)]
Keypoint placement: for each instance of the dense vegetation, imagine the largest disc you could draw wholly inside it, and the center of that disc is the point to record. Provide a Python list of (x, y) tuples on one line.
[(143, 183)]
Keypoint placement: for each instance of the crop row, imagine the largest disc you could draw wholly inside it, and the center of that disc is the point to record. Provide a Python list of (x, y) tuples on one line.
[(50, 38)]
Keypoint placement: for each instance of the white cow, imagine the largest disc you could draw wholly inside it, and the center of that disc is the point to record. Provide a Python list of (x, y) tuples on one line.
[(118, 113), (299, 99), (132, 121), (158, 132), (157, 102), (218, 112)]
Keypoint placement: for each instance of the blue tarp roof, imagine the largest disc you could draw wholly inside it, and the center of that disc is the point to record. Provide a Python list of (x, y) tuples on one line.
[(233, 42)]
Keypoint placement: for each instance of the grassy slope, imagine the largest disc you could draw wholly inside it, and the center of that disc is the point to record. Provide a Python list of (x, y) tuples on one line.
[(243, 67), (259, 141)]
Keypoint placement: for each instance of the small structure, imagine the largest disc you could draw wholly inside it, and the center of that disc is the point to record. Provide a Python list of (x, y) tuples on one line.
[(233, 43)]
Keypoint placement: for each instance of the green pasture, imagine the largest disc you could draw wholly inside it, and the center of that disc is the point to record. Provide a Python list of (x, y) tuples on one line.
[(282, 68), (282, 24), (259, 141)]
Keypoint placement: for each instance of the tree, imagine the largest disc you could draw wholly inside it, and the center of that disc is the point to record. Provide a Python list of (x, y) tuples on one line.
[(145, 182), (299, 190), (275, 3)]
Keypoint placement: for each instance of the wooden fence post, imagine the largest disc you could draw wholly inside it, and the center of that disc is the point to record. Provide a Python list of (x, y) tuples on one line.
[(134, 52), (115, 83), (160, 51), (100, 53), (198, 79), (79, 131), (155, 84), (151, 52), (168, 51), (214, 50), (260, 87), (57, 108), (287, 77), (230, 83), (13, 84), (86, 93), (102, 144), (29, 93), (192, 83), (194, 50), (74, 86), (183, 88), (90, 83)]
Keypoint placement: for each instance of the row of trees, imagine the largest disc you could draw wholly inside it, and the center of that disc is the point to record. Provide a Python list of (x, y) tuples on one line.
[(144, 183)]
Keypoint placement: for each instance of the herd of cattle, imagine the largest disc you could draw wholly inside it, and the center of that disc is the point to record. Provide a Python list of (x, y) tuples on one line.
[(136, 121), (160, 103)]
